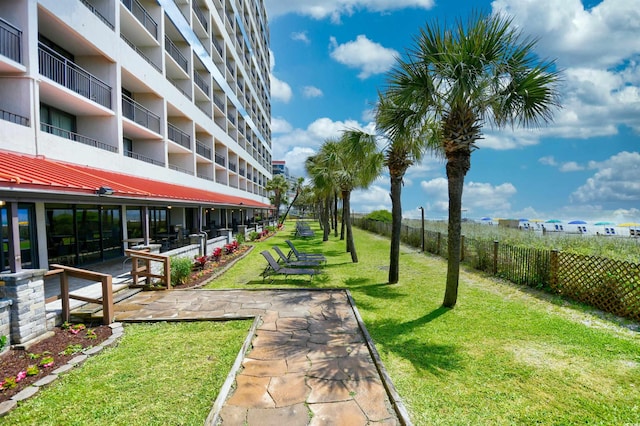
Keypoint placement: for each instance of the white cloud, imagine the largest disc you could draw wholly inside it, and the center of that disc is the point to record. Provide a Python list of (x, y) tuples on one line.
[(311, 92), (509, 138), (364, 54), (376, 197), (296, 158), (616, 181), (569, 166), (280, 90), (476, 197), (280, 125), (301, 36), (334, 9), (598, 49)]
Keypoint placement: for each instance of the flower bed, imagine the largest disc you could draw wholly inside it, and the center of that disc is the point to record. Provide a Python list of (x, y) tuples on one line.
[(205, 268)]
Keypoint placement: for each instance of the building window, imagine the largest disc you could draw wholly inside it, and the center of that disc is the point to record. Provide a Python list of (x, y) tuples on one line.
[(56, 121), (27, 235)]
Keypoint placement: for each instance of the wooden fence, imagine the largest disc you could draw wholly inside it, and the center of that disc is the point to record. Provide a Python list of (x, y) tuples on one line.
[(610, 285)]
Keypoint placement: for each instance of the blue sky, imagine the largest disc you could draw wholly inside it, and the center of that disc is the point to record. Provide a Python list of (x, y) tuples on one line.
[(330, 57)]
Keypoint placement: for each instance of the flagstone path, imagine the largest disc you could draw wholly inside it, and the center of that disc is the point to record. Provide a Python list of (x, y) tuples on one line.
[(309, 363)]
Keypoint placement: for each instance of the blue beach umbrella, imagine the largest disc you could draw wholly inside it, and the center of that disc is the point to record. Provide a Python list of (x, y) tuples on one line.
[(577, 222)]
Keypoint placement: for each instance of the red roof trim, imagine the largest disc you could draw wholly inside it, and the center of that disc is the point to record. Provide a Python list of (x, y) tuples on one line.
[(37, 172)]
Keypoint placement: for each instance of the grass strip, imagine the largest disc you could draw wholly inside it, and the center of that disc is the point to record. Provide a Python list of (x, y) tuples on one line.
[(158, 374), (503, 355)]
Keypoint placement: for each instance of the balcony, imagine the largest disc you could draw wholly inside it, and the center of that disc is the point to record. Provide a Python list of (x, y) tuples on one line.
[(218, 102), (232, 166), (221, 160), (200, 82), (217, 45), (76, 137), (142, 15), (14, 118), (201, 16), (178, 136), (10, 41), (141, 157), (180, 169), (98, 14), (72, 76), (202, 149), (136, 112), (174, 52), (141, 53)]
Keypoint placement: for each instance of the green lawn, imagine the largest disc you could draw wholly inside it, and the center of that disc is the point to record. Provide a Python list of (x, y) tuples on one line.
[(503, 355), (159, 374)]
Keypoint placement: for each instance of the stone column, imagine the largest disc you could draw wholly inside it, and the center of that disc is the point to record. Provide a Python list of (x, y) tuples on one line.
[(25, 289)]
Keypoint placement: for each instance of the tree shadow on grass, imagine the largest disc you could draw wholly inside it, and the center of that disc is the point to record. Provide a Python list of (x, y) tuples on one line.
[(392, 337)]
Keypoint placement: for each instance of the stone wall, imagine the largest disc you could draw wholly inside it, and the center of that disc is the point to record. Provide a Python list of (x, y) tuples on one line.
[(5, 321), (25, 290)]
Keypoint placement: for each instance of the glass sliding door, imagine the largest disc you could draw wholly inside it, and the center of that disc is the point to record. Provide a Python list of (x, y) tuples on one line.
[(27, 233)]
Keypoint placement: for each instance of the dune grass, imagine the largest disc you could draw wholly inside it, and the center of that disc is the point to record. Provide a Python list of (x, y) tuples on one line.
[(503, 355), (159, 374)]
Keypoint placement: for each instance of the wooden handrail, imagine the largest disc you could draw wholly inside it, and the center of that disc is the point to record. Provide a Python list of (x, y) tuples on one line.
[(107, 290), (141, 266)]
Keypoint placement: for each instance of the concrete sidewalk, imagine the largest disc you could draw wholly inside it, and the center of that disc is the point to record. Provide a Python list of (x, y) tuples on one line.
[(310, 362)]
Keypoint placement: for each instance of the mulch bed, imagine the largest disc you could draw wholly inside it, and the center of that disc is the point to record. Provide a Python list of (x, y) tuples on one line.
[(14, 361), (214, 269)]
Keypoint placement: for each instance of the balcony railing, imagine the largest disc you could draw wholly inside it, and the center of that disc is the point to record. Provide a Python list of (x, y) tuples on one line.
[(201, 16), (200, 82), (242, 171), (76, 137), (98, 14), (203, 150), (206, 177), (141, 53), (232, 166), (217, 45), (178, 136), (141, 157), (141, 115), (143, 16), (180, 169), (230, 68), (10, 41), (14, 118), (174, 52), (220, 160), (232, 119), (218, 102), (72, 76), (206, 109)]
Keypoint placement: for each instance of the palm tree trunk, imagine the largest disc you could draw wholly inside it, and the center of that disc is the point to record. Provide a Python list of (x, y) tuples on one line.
[(396, 229), (326, 218), (458, 163), (346, 216), (284, 217), (342, 223), (335, 214)]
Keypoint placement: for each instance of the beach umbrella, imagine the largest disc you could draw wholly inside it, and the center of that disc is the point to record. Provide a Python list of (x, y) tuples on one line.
[(523, 220), (629, 224), (553, 221), (577, 222), (604, 223), (536, 220), (486, 218)]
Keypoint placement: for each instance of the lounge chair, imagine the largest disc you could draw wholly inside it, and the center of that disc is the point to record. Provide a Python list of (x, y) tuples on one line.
[(303, 230), (274, 268), (295, 263), (304, 256)]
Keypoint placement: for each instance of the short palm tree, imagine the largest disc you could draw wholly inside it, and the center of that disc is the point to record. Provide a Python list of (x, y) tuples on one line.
[(405, 147), (482, 71), (279, 186), (320, 169), (297, 187)]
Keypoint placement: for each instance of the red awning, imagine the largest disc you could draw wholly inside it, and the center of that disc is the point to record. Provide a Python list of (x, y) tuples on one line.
[(22, 171)]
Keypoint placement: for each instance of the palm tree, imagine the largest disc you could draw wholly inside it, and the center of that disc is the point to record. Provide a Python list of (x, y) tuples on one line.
[(321, 172), (478, 72), (357, 164), (404, 149), (279, 186), (298, 188)]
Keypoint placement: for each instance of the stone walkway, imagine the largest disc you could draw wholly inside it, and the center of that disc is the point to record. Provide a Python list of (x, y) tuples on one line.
[(309, 363)]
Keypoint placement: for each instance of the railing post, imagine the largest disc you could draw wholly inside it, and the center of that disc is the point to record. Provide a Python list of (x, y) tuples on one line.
[(495, 257), (64, 296), (107, 300), (167, 272)]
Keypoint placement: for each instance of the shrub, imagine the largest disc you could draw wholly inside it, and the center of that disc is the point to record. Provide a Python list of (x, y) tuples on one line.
[(217, 252), (180, 270), (240, 238), (380, 216), (253, 235)]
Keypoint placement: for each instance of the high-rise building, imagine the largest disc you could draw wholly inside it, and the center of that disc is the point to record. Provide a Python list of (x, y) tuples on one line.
[(129, 119)]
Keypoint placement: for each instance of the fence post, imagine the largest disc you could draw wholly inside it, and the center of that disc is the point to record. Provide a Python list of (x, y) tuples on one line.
[(495, 257), (438, 243), (461, 248), (554, 268)]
